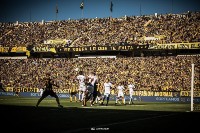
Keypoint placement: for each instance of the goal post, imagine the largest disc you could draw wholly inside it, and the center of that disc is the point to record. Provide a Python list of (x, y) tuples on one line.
[(192, 88)]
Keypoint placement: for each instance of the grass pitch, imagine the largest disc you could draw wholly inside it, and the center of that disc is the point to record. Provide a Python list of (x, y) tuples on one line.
[(20, 114)]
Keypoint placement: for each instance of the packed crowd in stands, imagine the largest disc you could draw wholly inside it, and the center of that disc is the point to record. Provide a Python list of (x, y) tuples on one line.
[(169, 28), (147, 73)]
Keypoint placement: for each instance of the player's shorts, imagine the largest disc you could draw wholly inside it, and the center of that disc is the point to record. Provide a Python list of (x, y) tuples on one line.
[(73, 93), (107, 94), (131, 94), (98, 94), (88, 95), (49, 92), (82, 88), (120, 94), (90, 89)]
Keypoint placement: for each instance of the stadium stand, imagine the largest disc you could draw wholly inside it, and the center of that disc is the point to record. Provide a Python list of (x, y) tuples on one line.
[(148, 73), (154, 35), (134, 30)]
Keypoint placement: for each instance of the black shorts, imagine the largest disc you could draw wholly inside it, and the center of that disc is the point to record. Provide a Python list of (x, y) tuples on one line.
[(73, 93), (88, 95), (49, 92), (98, 94)]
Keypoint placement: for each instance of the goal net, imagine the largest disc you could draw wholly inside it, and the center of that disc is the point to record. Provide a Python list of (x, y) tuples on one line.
[(195, 92)]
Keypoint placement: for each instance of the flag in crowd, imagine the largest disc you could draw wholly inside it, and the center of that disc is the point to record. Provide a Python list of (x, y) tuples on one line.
[(111, 6), (82, 5), (56, 9)]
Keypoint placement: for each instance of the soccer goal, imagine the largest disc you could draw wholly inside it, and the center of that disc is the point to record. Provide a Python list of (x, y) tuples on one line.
[(194, 104), (192, 88)]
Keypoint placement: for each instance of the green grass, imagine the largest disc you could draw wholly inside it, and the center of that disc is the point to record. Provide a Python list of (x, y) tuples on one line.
[(21, 115), (138, 105)]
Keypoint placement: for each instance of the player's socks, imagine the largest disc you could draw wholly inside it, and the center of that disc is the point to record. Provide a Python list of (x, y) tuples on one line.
[(130, 101), (103, 99), (82, 96), (96, 100), (107, 101), (79, 96), (70, 99), (117, 99)]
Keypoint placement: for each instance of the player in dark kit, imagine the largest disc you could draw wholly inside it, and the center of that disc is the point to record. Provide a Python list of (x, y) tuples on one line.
[(88, 92), (49, 91), (1, 86), (94, 82)]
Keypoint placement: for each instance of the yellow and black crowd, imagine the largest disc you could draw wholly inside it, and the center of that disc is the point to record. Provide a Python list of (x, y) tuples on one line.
[(167, 28), (172, 73)]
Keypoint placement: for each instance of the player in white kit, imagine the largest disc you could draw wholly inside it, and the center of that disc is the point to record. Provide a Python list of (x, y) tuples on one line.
[(120, 95), (82, 87), (88, 92), (131, 88), (93, 78), (107, 91)]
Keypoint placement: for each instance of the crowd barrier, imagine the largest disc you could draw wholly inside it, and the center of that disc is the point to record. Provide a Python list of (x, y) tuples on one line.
[(136, 92), (174, 99)]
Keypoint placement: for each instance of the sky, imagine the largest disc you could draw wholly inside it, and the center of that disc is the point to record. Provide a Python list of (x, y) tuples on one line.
[(38, 10)]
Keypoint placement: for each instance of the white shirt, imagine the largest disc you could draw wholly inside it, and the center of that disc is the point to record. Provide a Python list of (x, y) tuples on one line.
[(131, 87), (120, 88), (81, 80), (107, 87), (93, 79)]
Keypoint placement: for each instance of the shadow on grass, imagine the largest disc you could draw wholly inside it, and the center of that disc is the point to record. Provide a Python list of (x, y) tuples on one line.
[(73, 119)]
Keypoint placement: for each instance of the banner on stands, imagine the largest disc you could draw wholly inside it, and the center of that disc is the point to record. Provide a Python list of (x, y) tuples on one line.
[(18, 49), (195, 45), (4, 49)]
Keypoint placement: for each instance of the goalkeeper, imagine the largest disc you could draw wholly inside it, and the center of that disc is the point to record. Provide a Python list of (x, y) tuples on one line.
[(49, 91)]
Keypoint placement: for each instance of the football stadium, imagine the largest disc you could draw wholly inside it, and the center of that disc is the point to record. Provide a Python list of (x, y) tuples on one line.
[(134, 73)]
